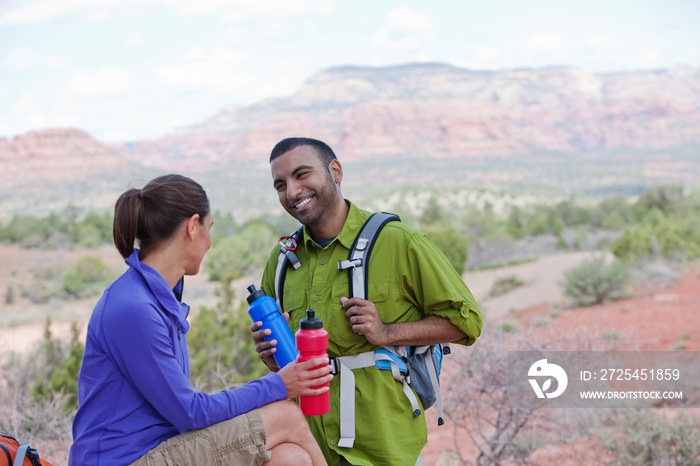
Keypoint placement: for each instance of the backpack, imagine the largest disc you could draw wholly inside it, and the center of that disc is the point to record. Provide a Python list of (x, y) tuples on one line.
[(416, 367), (15, 453)]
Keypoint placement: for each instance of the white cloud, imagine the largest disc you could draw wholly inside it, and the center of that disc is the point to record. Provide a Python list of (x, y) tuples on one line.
[(50, 10), (486, 53), (104, 81), (276, 27), (649, 58), (405, 29), (234, 34), (23, 59), (56, 60), (604, 42), (134, 39), (293, 65), (407, 19), (236, 10), (26, 103), (204, 69), (541, 42), (27, 58)]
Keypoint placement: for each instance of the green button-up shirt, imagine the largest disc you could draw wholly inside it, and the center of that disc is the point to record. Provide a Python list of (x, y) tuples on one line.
[(409, 279)]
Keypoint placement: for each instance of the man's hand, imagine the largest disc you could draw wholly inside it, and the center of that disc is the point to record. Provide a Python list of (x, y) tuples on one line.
[(364, 320), (266, 349)]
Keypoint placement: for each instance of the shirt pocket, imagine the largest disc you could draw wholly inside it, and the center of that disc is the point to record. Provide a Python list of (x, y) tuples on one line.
[(378, 291), (294, 303)]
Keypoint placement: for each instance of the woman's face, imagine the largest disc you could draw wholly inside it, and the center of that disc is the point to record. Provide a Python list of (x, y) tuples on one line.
[(200, 245)]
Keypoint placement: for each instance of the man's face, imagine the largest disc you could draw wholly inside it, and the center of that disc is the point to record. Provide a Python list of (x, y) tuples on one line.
[(304, 186)]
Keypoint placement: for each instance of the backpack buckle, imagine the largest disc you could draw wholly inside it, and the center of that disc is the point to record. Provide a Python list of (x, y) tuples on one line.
[(334, 366), (349, 264)]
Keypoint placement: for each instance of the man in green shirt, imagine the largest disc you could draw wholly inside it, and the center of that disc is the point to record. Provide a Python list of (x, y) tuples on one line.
[(415, 298)]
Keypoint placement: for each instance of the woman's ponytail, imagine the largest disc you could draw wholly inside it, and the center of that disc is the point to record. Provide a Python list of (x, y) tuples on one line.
[(126, 221)]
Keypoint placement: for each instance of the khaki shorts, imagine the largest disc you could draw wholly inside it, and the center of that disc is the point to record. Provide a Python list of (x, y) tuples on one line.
[(240, 440)]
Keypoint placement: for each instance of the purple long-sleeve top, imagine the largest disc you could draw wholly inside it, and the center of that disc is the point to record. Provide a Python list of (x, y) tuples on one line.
[(133, 388)]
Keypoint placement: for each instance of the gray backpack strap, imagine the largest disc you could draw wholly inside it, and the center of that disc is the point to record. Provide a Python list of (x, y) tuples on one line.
[(344, 366), (21, 453), (360, 251), (286, 258)]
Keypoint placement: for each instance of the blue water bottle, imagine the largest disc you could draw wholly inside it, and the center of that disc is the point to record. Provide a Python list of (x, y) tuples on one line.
[(262, 308)]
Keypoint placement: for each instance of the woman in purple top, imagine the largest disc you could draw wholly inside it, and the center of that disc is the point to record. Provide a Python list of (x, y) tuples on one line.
[(136, 402)]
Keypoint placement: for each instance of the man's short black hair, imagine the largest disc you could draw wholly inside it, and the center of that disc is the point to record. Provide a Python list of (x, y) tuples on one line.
[(322, 149)]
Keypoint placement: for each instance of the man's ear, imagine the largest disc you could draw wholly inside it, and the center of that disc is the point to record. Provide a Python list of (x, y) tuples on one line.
[(336, 171), (192, 225)]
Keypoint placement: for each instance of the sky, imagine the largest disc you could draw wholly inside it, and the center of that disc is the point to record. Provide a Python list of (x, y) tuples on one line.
[(125, 70)]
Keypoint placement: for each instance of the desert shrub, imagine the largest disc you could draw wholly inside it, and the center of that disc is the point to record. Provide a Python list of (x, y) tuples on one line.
[(433, 214), (36, 414), (505, 284), (57, 231), (222, 354), (477, 402), (61, 372), (648, 438), (664, 198), (47, 284), (246, 252), (613, 213), (10, 296), (594, 281), (93, 230), (24, 230), (659, 237), (87, 278), (453, 244)]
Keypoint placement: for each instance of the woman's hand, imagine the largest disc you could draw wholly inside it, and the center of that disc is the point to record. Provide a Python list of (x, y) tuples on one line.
[(300, 377)]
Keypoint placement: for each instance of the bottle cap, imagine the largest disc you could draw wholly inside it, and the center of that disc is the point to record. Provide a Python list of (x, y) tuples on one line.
[(311, 322), (254, 294)]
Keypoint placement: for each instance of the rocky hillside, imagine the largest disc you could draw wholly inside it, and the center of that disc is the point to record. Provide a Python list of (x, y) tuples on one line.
[(53, 155), (559, 129), (57, 165), (440, 111)]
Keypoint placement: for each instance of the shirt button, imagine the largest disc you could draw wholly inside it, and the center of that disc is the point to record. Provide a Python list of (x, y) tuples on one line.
[(322, 262), (316, 298), (332, 442)]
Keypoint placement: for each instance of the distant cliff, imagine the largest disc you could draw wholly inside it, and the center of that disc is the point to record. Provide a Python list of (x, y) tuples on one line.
[(54, 155), (421, 124), (440, 111)]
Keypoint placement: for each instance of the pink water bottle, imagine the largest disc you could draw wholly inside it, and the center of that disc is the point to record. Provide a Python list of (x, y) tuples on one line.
[(312, 342)]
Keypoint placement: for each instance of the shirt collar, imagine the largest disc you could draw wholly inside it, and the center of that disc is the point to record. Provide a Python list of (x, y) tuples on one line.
[(351, 226), (166, 297)]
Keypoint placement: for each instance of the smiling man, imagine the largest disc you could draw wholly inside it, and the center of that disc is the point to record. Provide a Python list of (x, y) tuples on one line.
[(415, 298)]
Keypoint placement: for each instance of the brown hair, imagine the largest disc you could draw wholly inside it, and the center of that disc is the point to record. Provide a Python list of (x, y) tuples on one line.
[(153, 214)]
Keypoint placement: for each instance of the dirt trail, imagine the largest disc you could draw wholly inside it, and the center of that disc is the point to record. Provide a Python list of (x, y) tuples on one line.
[(542, 283)]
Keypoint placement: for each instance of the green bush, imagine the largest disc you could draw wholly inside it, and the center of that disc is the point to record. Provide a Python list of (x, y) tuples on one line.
[(594, 281), (93, 230), (505, 284), (659, 237), (222, 353), (647, 438), (61, 371), (87, 278), (245, 253), (453, 244)]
